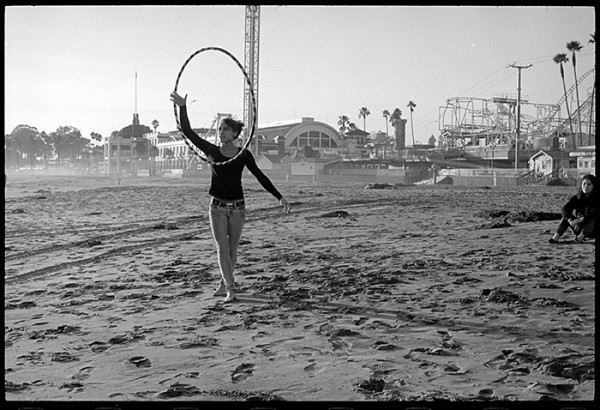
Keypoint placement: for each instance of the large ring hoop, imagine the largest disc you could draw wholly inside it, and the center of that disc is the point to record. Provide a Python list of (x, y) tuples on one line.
[(253, 129)]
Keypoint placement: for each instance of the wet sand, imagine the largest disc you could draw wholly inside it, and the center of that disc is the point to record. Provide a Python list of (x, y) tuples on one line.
[(419, 294)]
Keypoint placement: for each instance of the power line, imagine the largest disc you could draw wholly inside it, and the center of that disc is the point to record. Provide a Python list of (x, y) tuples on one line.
[(433, 121), (506, 77), (548, 59), (477, 83)]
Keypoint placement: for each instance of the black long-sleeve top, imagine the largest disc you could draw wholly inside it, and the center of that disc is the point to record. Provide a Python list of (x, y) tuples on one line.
[(226, 180), (581, 205)]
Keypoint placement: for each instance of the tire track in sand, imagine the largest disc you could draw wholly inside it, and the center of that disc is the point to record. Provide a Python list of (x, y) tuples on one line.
[(47, 255)]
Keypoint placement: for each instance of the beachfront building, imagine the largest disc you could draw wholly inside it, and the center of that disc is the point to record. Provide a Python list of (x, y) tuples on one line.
[(586, 160), (156, 137), (271, 144), (381, 146), (307, 162), (173, 147), (544, 162), (287, 137), (268, 162), (127, 150), (172, 151), (356, 145)]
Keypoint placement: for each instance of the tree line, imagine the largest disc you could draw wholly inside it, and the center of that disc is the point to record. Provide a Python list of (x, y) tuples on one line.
[(25, 144), (346, 125)]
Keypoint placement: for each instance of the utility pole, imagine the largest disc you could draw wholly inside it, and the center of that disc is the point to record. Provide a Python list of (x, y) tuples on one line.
[(251, 58), (518, 67)]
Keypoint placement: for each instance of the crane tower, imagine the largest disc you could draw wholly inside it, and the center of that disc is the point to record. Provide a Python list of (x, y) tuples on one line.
[(251, 65)]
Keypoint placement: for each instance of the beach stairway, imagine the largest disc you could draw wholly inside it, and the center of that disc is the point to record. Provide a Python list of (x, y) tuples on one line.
[(552, 178)]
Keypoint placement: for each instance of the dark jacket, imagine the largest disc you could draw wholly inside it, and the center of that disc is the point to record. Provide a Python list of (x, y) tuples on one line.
[(581, 206)]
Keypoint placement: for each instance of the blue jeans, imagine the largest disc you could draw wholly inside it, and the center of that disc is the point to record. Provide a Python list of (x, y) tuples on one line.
[(227, 224), (588, 230)]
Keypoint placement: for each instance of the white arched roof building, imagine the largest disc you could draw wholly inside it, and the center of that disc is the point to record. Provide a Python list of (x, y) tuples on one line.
[(306, 132)]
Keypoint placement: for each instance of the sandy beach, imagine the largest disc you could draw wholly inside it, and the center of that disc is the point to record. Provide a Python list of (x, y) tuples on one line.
[(414, 294)]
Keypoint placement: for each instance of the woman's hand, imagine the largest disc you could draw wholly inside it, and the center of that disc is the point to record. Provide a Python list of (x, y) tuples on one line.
[(177, 99), (285, 204), (575, 222)]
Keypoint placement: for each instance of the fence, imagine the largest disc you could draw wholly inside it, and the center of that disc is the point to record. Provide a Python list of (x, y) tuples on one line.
[(483, 176)]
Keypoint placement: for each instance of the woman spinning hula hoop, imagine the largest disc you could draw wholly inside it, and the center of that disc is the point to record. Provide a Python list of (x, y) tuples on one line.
[(227, 209)]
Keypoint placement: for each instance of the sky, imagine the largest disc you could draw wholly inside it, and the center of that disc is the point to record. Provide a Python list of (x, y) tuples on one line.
[(92, 67)]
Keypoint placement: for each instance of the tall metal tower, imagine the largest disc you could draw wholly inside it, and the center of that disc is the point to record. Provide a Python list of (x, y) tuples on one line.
[(251, 65)]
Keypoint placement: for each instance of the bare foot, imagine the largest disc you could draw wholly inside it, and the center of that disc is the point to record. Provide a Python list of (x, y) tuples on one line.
[(222, 291), (230, 297)]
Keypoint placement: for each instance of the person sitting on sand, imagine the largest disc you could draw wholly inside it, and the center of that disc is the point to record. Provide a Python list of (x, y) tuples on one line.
[(579, 213), (227, 208)]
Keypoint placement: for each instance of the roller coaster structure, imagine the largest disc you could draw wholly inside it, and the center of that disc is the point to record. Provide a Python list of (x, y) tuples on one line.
[(494, 119)]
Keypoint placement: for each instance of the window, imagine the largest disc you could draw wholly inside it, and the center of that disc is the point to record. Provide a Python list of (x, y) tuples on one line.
[(314, 138), (303, 139)]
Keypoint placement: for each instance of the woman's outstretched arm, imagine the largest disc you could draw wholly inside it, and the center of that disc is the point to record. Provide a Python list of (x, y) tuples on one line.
[(265, 181), (186, 128)]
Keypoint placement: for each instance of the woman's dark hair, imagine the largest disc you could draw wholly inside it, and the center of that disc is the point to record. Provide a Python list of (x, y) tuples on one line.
[(590, 178), (235, 125)]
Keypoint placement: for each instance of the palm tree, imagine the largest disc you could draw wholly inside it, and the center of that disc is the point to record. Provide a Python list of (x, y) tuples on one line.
[(396, 115), (155, 125), (592, 40), (96, 137), (386, 115), (574, 46), (343, 122), (412, 106), (364, 113), (559, 59)]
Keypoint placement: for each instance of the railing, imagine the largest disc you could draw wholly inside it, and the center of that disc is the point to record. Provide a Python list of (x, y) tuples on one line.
[(535, 178), (552, 176), (527, 179)]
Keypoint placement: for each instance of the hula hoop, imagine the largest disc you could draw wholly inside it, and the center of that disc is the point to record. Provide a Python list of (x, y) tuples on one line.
[(252, 131)]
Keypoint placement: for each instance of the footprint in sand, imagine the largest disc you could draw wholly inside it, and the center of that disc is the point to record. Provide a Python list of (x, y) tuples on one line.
[(242, 372), (83, 373), (361, 320), (381, 345), (276, 342), (140, 361), (259, 335), (310, 368), (73, 387), (339, 344), (313, 368), (486, 393)]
